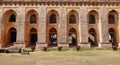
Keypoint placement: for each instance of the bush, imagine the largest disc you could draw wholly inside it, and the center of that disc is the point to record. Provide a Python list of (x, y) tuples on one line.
[(33, 48), (77, 48), (59, 48), (115, 48), (45, 48)]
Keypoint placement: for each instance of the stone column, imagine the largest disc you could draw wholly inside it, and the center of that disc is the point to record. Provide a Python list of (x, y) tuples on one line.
[(83, 27), (103, 27), (0, 24), (63, 28), (119, 28), (42, 27), (20, 20)]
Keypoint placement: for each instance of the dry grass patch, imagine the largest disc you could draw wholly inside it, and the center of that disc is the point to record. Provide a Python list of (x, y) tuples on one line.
[(70, 57)]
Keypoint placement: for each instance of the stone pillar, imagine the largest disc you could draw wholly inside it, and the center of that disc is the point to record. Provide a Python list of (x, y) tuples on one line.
[(20, 20), (103, 28), (83, 27), (63, 28), (42, 27), (119, 28), (0, 24)]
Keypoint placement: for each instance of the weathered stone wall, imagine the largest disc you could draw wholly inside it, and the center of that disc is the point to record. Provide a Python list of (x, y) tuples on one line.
[(62, 25)]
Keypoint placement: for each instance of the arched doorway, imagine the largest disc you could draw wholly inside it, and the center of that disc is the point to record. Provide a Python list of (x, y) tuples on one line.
[(33, 37), (112, 37), (72, 37), (8, 30), (12, 35), (52, 37), (92, 38)]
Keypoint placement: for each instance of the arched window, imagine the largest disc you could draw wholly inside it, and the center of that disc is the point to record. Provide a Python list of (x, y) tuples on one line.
[(91, 19), (53, 18), (111, 19), (33, 18), (12, 18), (72, 19)]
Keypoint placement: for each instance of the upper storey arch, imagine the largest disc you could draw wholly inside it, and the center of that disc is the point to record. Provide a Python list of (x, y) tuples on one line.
[(93, 17), (52, 17), (112, 17), (72, 17), (9, 16), (32, 16)]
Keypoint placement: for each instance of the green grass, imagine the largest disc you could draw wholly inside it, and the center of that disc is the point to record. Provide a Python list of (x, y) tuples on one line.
[(93, 56)]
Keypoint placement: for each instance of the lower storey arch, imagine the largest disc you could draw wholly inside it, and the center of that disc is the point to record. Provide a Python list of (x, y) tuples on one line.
[(92, 38), (72, 37)]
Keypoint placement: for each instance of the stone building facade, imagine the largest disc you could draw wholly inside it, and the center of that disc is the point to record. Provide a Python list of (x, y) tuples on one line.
[(52, 23)]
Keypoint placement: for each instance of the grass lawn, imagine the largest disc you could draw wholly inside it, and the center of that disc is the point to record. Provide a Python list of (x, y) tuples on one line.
[(68, 57)]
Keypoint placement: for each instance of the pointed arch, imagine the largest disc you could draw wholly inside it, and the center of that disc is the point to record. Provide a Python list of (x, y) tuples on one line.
[(32, 16), (113, 37), (112, 17), (12, 18), (9, 16), (92, 37), (52, 37), (72, 17), (93, 17), (72, 37), (33, 36), (12, 35), (52, 17)]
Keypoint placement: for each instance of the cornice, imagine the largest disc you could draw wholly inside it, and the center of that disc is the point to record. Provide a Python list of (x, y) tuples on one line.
[(59, 3)]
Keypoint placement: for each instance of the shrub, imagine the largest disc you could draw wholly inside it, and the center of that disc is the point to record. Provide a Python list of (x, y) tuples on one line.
[(77, 48), (115, 48), (45, 48), (33, 48), (59, 48)]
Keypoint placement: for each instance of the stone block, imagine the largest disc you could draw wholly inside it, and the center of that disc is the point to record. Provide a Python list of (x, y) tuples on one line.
[(64, 45), (84, 45), (106, 45), (18, 44), (41, 45)]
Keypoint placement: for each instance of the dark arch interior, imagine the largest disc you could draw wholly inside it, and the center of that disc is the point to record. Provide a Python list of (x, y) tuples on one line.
[(111, 19), (12, 34), (92, 38), (53, 37), (53, 18), (112, 37), (72, 19), (72, 37), (92, 19), (33, 36), (33, 18), (12, 18)]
